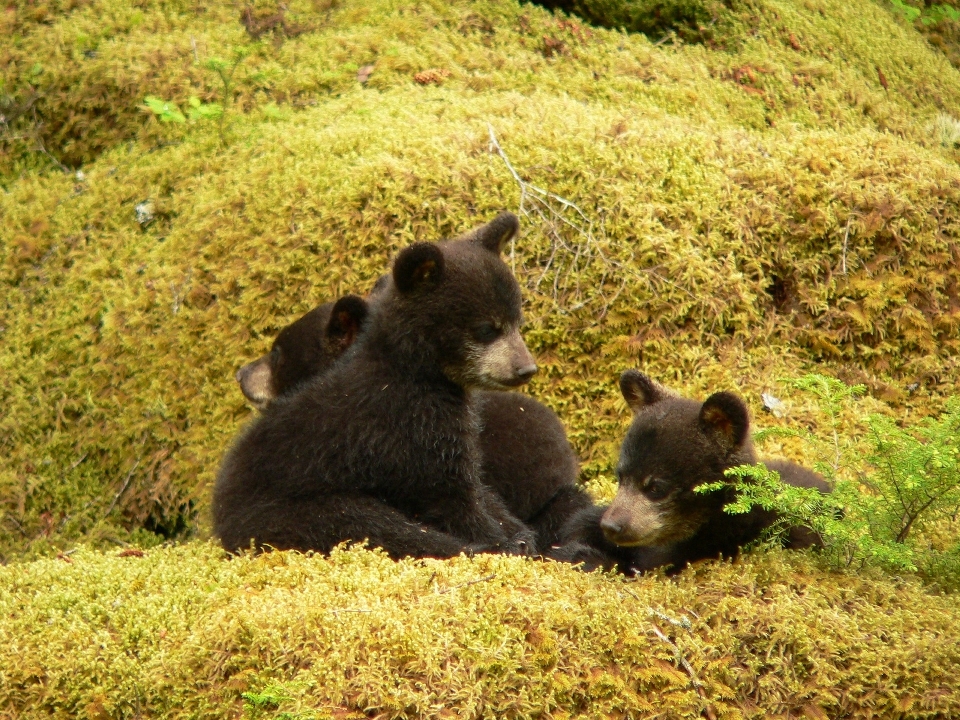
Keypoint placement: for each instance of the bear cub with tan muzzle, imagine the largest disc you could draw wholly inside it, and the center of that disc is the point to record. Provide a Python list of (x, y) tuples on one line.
[(674, 445), (383, 446), (525, 457)]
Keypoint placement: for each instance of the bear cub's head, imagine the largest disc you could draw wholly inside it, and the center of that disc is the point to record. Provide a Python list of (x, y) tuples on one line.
[(458, 304), (673, 445), (304, 349)]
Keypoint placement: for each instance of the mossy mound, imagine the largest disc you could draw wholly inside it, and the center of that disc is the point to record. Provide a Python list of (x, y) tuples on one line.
[(182, 632), (73, 78), (709, 248), (776, 199)]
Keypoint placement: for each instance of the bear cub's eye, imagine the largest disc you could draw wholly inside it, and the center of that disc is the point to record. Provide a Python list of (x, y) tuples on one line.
[(656, 489), (488, 332)]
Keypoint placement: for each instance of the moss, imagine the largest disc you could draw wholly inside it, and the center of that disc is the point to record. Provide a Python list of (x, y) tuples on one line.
[(757, 206), (76, 74), (709, 237), (181, 632), (938, 22), (691, 21)]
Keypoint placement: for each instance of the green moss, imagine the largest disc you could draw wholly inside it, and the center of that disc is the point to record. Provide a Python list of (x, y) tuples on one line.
[(689, 20), (816, 63), (750, 210), (181, 632), (713, 236)]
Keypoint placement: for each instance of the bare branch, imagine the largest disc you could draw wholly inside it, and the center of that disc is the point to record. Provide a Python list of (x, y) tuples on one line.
[(694, 680), (491, 576)]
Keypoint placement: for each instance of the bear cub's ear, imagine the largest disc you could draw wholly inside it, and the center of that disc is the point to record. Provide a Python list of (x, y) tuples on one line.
[(346, 321), (495, 234), (418, 267), (256, 381), (725, 417), (639, 390)]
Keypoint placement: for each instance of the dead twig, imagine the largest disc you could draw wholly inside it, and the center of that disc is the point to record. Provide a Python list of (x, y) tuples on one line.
[(573, 246), (846, 236), (669, 37), (76, 464), (491, 576), (17, 524), (126, 484), (682, 622), (694, 680), (43, 148), (180, 293)]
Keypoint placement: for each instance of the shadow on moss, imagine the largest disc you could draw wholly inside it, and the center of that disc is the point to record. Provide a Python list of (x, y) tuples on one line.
[(692, 21)]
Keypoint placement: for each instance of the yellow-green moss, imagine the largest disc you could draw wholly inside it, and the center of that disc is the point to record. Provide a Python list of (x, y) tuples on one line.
[(183, 632), (774, 201), (83, 67)]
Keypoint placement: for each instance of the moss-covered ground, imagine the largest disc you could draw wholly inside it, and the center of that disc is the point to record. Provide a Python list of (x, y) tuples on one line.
[(776, 198), (184, 632)]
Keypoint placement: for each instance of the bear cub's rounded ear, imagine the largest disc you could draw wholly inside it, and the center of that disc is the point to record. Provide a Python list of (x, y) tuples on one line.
[(346, 320), (639, 390), (418, 267), (725, 417), (256, 381), (495, 234)]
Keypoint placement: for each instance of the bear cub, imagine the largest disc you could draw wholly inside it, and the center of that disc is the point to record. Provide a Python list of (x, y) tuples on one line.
[(304, 349), (384, 446), (673, 445), (524, 452)]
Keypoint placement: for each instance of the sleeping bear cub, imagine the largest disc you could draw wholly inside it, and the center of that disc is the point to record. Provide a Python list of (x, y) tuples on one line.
[(383, 447), (673, 445)]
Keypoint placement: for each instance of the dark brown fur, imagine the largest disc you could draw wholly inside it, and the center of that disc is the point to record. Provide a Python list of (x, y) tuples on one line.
[(525, 456), (306, 348), (674, 445), (383, 447)]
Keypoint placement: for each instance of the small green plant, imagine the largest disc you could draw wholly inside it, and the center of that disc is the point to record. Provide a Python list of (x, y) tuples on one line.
[(908, 11), (255, 703), (916, 473), (225, 70), (204, 111), (166, 111), (937, 13), (198, 111), (930, 15), (891, 487)]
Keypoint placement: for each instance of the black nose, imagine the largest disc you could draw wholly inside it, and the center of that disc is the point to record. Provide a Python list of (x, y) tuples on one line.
[(525, 373), (611, 528)]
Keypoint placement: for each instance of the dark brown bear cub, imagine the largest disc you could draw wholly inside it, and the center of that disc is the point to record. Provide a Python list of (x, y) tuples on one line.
[(383, 447), (673, 445), (304, 349), (525, 455)]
